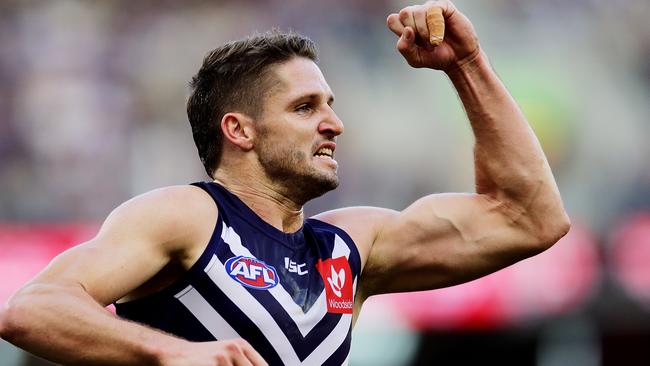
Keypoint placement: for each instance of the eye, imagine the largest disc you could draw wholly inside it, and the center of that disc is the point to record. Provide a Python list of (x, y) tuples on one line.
[(304, 108)]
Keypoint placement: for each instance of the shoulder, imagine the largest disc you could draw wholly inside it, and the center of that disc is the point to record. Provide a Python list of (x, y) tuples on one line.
[(174, 214), (361, 223), (173, 202)]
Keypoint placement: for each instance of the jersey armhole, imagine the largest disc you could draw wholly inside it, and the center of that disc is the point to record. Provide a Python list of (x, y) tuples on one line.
[(355, 256), (184, 280)]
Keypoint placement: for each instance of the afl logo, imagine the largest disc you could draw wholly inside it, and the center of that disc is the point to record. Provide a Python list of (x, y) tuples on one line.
[(251, 272)]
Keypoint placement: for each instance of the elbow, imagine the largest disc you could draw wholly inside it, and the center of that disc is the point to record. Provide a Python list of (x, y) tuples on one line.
[(4, 322), (10, 320), (17, 315), (552, 230)]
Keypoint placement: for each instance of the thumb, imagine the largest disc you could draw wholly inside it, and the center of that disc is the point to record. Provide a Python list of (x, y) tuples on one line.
[(406, 44)]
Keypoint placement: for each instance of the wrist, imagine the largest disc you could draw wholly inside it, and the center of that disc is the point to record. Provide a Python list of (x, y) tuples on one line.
[(163, 353), (468, 65)]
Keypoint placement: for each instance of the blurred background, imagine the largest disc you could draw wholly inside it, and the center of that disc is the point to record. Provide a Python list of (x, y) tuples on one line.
[(92, 112)]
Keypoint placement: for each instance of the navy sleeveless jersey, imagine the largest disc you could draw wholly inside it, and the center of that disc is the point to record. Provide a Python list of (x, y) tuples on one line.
[(290, 295)]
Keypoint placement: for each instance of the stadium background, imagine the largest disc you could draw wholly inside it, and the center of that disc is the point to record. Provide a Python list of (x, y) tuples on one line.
[(92, 113)]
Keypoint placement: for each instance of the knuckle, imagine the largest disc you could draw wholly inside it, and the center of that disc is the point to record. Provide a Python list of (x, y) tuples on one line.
[(233, 347), (220, 358), (404, 14), (448, 5), (242, 342), (239, 346), (392, 19)]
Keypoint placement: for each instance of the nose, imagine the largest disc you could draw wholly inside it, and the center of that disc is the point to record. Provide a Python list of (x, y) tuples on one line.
[(331, 125)]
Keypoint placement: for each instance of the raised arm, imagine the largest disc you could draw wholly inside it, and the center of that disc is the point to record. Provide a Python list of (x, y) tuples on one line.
[(60, 314), (516, 212)]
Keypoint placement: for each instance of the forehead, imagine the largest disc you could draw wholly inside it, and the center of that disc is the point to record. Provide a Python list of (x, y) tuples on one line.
[(300, 76)]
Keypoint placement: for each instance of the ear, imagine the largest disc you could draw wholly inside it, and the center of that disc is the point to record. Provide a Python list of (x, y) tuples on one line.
[(238, 129)]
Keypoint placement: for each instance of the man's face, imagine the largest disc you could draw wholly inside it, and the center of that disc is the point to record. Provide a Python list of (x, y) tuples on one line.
[(297, 131)]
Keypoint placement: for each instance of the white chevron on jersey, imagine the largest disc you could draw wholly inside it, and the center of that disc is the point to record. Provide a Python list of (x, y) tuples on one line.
[(221, 330), (340, 248), (253, 310), (259, 315), (206, 315), (304, 321), (331, 343), (256, 312)]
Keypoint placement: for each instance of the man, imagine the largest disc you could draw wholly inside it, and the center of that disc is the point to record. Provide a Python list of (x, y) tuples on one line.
[(230, 272)]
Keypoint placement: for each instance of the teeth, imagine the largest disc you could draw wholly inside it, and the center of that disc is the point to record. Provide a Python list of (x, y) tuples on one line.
[(324, 151)]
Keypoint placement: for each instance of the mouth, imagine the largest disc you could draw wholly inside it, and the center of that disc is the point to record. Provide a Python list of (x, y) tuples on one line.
[(325, 152)]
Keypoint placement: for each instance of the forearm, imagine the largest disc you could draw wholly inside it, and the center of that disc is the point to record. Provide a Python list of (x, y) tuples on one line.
[(509, 162), (508, 157), (63, 324)]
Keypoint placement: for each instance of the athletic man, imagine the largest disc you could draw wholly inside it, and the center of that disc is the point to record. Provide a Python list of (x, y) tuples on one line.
[(230, 273)]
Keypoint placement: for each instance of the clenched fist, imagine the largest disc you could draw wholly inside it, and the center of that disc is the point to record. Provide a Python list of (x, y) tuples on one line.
[(460, 44)]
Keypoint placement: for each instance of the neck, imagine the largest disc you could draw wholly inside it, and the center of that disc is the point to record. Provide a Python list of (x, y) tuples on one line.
[(265, 200)]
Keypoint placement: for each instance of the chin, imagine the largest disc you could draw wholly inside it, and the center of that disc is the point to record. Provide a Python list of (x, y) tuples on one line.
[(311, 187), (305, 187)]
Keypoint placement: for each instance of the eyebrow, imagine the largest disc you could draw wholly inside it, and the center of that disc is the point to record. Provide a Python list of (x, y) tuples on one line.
[(312, 97)]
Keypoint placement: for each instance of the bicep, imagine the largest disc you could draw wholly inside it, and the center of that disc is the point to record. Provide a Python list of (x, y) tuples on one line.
[(135, 242), (104, 269), (442, 240)]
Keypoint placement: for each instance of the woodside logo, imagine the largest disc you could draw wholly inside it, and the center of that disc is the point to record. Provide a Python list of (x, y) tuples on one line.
[(337, 276)]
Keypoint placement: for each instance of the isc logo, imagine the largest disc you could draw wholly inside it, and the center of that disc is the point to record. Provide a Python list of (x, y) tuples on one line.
[(252, 272)]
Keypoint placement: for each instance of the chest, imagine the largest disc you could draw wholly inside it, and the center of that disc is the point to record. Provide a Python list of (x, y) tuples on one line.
[(313, 274)]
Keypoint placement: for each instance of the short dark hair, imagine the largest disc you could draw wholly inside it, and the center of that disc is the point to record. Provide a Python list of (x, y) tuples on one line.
[(236, 77)]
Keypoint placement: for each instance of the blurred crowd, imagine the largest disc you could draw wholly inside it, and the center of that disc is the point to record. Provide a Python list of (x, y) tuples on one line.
[(92, 102), (92, 98)]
